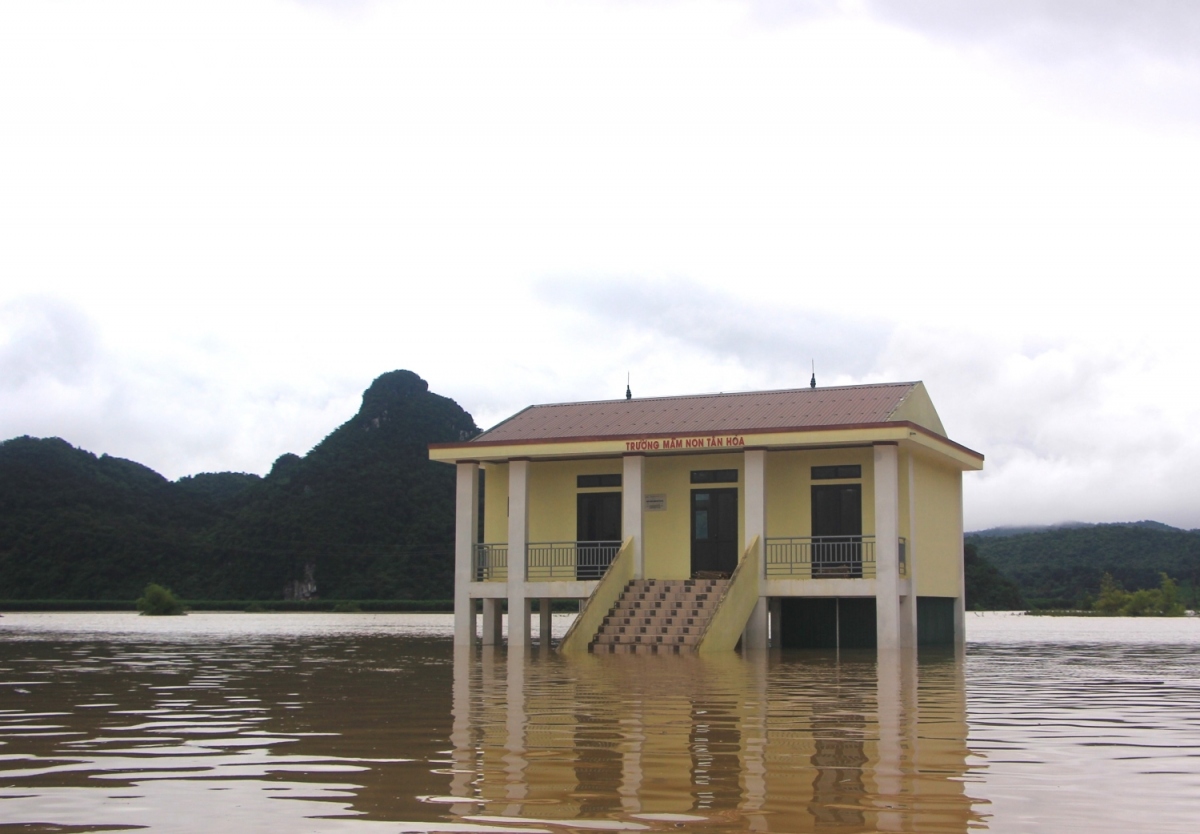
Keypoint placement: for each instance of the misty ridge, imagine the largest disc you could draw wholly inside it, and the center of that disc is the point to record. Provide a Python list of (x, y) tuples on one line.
[(1019, 530)]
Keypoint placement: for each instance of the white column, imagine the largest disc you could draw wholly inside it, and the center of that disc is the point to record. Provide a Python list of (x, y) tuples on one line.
[(633, 489), (516, 723), (518, 538), (493, 633), (466, 764), (754, 750), (888, 768), (960, 604), (887, 555), (756, 634), (908, 604), (544, 622), (466, 531), (632, 747)]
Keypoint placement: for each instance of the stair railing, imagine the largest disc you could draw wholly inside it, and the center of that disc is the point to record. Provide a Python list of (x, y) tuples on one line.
[(735, 606), (604, 597)]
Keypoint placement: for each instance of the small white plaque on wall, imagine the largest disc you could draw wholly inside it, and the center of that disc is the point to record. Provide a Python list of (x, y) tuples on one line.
[(656, 503)]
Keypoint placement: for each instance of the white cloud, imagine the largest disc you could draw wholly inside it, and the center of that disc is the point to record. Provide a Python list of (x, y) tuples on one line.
[(1133, 59), (179, 408), (43, 338), (233, 215)]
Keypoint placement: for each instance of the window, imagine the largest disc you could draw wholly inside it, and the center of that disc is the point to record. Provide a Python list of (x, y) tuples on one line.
[(714, 476), (592, 481), (829, 473)]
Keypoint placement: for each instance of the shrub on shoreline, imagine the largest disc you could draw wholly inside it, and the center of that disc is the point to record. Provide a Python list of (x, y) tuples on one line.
[(1115, 601), (158, 601)]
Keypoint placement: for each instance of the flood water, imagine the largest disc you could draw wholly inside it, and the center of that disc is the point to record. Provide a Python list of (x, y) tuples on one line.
[(370, 722)]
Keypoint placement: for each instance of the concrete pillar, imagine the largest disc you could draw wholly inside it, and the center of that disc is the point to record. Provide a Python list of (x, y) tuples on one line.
[(906, 614), (960, 604), (466, 764), (516, 722), (518, 538), (887, 555), (544, 622), (888, 770), (633, 733), (756, 635), (466, 532), (908, 603), (493, 632), (633, 489), (753, 753), (775, 606)]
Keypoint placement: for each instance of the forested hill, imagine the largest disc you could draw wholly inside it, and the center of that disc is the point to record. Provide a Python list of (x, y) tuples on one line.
[(365, 514), (1062, 566)]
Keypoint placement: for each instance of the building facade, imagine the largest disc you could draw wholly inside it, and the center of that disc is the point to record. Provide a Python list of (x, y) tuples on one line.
[(814, 517)]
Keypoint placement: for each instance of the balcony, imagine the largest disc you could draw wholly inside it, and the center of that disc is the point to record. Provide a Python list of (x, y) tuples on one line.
[(491, 563), (568, 560), (547, 561), (826, 557)]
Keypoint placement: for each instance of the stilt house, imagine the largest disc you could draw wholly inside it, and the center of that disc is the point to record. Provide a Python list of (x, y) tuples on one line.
[(816, 517)]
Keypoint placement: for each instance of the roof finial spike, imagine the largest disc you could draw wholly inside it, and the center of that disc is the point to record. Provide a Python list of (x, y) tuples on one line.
[(812, 383), (628, 391)]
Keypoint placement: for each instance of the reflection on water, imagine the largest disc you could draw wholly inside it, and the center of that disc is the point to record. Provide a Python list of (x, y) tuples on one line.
[(759, 743), (357, 722)]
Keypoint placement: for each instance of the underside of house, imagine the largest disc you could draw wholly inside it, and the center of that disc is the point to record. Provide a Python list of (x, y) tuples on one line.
[(807, 518)]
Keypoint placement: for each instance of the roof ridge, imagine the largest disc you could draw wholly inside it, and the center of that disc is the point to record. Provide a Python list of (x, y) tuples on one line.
[(714, 395)]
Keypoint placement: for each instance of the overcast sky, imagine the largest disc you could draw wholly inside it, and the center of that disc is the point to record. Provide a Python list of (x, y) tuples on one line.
[(219, 221)]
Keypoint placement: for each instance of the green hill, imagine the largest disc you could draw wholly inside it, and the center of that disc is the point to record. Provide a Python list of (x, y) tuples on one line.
[(986, 588), (364, 514), (1062, 566)]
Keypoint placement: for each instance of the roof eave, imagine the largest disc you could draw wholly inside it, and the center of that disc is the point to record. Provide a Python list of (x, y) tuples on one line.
[(608, 445)]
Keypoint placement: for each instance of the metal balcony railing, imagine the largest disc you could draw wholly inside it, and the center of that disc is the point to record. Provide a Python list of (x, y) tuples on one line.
[(491, 562), (569, 560), (821, 557)]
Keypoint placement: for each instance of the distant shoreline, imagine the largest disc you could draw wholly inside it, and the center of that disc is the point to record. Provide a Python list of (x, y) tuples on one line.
[(440, 606)]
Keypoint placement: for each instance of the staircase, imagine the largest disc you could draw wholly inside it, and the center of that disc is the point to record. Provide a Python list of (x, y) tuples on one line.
[(659, 616)]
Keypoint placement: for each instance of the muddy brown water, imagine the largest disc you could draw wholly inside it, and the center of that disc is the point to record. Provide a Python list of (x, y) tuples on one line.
[(365, 722)]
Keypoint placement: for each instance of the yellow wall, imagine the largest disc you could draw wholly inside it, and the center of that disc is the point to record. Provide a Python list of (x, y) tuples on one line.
[(936, 542), (905, 531), (495, 503), (668, 548), (918, 408), (938, 534), (552, 495), (789, 488), (552, 501)]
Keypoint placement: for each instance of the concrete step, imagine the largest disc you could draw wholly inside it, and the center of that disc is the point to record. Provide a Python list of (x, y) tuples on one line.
[(666, 604), (663, 605), (667, 596), (636, 648), (654, 621), (649, 629), (656, 615), (647, 640), (645, 588)]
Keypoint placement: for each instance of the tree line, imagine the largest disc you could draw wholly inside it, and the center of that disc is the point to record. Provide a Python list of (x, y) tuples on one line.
[(1065, 567), (365, 514)]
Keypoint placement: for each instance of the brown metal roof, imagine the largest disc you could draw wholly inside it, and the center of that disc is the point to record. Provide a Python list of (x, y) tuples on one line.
[(747, 412)]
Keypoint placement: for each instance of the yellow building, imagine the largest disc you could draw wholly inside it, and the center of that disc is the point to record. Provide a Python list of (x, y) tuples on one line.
[(815, 517)]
